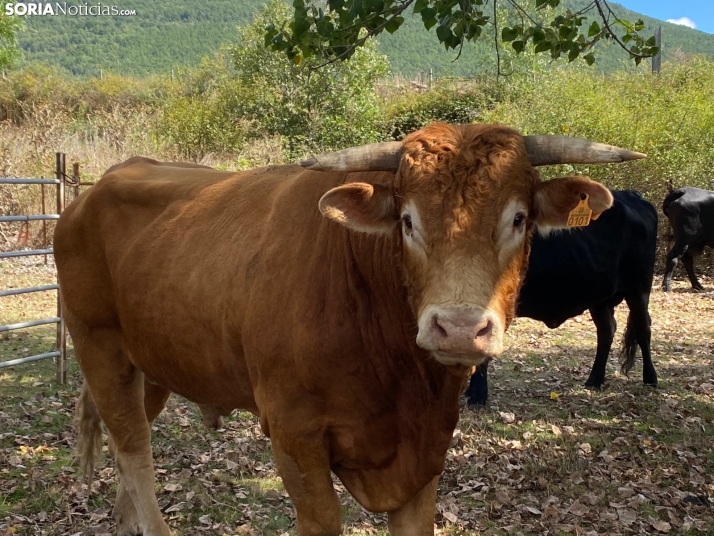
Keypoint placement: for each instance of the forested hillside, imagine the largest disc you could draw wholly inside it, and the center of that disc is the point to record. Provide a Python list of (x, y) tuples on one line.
[(162, 35), (168, 34)]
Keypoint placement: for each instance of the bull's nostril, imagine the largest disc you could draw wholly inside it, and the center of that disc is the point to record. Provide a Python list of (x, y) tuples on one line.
[(437, 327), (485, 331)]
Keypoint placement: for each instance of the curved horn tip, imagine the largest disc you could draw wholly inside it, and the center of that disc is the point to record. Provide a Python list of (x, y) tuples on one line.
[(309, 163), (632, 155)]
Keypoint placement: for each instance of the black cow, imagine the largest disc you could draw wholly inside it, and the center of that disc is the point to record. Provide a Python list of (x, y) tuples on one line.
[(595, 268), (691, 213)]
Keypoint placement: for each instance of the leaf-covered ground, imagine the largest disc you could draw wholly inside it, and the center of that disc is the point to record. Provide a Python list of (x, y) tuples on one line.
[(545, 457)]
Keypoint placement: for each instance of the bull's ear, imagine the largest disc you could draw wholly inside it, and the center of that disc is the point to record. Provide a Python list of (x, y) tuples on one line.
[(368, 208), (555, 198)]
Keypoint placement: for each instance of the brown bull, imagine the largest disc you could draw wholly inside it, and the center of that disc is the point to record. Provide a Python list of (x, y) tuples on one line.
[(349, 330)]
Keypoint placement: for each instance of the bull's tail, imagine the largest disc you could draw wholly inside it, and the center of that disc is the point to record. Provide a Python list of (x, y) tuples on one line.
[(629, 347), (671, 196), (89, 430)]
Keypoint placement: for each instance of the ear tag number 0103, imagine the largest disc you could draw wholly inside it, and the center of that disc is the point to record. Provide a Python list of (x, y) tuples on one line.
[(581, 215)]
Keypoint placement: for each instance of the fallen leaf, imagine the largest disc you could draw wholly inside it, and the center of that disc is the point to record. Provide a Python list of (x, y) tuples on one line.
[(507, 417), (502, 497), (625, 493), (578, 509), (627, 516), (451, 517), (175, 508), (661, 526)]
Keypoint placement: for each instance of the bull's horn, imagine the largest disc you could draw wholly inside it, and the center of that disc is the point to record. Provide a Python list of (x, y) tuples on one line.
[(546, 150), (373, 157)]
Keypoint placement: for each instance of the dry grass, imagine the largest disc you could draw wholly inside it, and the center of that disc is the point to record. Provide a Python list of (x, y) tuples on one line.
[(546, 456), (108, 137)]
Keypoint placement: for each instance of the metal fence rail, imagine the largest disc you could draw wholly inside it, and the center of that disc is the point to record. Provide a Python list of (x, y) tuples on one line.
[(15, 291), (31, 217), (60, 354), (29, 181), (25, 253)]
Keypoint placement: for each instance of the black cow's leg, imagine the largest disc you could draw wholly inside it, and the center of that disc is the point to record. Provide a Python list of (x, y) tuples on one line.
[(641, 322), (688, 262), (604, 319), (477, 393), (673, 256)]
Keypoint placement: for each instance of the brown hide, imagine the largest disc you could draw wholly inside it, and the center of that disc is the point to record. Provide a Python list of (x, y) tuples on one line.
[(267, 306), (234, 291)]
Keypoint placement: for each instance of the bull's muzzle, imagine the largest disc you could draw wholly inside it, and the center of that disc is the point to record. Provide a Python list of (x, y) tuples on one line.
[(460, 335)]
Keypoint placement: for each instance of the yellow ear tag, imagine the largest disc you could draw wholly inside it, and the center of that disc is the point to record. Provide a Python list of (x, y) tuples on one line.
[(581, 214)]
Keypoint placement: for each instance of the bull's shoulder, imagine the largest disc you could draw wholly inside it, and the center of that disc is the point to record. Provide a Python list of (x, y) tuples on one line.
[(634, 206)]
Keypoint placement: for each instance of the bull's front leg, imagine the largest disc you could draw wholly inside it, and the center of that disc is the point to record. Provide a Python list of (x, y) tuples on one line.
[(416, 518), (304, 467)]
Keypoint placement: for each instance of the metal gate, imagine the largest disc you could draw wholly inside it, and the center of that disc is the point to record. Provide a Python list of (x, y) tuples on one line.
[(60, 352)]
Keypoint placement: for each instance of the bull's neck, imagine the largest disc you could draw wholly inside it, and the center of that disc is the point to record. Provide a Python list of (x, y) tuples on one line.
[(377, 286)]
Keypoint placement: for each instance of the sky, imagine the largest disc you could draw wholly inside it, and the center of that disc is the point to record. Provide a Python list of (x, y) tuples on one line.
[(697, 14)]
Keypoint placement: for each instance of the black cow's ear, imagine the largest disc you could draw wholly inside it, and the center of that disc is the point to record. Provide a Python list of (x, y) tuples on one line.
[(368, 208), (556, 198)]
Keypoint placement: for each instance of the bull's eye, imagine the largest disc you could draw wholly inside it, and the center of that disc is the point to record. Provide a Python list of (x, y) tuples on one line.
[(518, 220), (408, 222)]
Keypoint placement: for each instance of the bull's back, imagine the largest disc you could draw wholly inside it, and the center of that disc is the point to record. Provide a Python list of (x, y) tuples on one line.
[(162, 254)]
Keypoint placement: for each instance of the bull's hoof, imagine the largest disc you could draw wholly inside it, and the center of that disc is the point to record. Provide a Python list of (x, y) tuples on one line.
[(651, 383), (128, 522), (666, 288), (129, 531), (593, 385), (698, 288)]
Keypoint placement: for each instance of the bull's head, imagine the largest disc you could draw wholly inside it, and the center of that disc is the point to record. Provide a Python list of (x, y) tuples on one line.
[(463, 204)]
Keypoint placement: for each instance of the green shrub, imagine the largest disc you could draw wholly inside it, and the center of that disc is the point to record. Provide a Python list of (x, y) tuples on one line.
[(313, 109)]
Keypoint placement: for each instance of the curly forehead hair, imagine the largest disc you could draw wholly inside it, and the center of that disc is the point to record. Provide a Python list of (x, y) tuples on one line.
[(463, 163)]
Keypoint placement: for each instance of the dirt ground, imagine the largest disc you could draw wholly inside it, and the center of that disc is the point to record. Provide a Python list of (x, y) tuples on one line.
[(545, 457)]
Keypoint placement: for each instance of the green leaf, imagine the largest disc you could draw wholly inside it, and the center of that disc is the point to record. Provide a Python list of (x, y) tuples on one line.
[(543, 46), (509, 34), (428, 17), (594, 29), (444, 33), (589, 58), (518, 46), (420, 5), (394, 24)]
